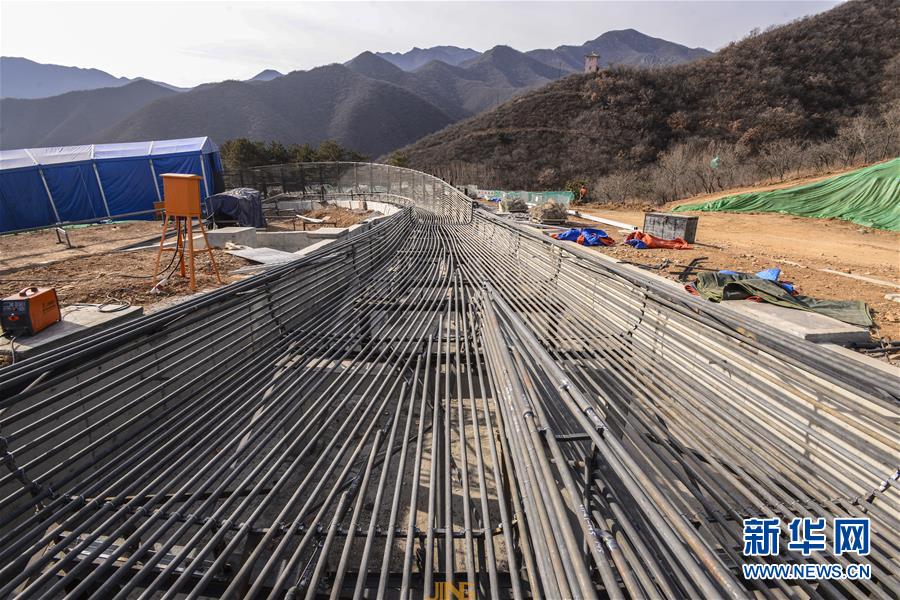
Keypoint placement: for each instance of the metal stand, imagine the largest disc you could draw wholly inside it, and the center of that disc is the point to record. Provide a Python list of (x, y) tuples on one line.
[(62, 237), (183, 225)]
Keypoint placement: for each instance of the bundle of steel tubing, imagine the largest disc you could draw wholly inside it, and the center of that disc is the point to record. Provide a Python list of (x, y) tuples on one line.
[(446, 403)]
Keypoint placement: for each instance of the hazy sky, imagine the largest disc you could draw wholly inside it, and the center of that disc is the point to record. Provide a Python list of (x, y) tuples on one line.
[(186, 43)]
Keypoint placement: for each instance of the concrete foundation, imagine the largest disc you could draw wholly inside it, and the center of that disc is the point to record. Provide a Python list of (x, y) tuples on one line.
[(286, 241), (328, 233), (807, 325), (266, 256), (243, 236), (373, 202), (77, 321), (313, 248)]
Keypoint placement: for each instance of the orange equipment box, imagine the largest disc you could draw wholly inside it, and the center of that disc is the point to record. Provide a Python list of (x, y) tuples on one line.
[(181, 194), (29, 311)]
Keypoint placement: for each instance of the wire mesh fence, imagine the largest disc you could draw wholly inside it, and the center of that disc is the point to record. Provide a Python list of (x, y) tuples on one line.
[(403, 186)]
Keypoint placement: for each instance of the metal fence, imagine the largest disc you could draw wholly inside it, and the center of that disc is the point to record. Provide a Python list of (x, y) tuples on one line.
[(402, 186)]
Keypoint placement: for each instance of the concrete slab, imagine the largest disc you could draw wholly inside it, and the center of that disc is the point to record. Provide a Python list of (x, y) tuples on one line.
[(286, 241), (807, 325), (253, 269), (355, 230), (266, 256), (77, 322), (331, 233), (242, 236), (313, 248), (199, 244)]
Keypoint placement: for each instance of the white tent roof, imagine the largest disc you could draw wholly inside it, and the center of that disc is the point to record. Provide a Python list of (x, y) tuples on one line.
[(14, 159)]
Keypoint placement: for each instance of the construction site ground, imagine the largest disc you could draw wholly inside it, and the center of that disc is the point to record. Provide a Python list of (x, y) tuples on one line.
[(799, 246), (332, 216), (43, 246), (96, 269)]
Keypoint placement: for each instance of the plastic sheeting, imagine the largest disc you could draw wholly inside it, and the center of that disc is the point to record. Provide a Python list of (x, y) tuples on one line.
[(641, 241), (75, 179), (717, 286), (586, 237), (243, 205), (867, 197)]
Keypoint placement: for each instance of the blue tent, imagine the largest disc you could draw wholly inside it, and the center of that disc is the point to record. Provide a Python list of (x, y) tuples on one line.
[(45, 186)]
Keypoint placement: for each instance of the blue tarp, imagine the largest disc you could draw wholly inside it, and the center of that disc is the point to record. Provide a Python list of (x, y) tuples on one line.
[(585, 237), (44, 186)]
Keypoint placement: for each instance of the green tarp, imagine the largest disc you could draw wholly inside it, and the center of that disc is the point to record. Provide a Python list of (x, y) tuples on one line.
[(720, 286), (869, 197)]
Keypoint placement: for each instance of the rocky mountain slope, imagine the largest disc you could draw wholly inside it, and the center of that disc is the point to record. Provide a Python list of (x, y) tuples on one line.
[(797, 83)]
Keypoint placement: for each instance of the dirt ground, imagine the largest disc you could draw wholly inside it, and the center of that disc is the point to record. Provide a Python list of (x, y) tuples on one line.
[(799, 246), (43, 246), (117, 277), (333, 216)]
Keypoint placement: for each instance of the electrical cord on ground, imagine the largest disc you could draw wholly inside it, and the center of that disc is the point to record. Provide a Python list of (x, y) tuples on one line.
[(111, 305)]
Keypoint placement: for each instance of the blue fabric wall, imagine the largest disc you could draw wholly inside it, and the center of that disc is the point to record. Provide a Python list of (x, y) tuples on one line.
[(23, 200), (188, 164), (127, 182), (75, 191)]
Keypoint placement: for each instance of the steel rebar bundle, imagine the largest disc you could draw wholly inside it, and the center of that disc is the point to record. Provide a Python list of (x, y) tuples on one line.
[(448, 401)]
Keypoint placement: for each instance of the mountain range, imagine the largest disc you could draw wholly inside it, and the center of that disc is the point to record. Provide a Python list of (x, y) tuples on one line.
[(26, 79), (74, 117), (373, 103), (266, 75), (417, 57), (626, 47), (23, 78), (796, 84)]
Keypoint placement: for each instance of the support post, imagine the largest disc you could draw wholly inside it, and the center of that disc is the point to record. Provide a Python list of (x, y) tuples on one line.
[(49, 195), (100, 185)]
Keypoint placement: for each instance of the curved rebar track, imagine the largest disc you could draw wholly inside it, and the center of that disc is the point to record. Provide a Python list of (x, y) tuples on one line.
[(445, 400)]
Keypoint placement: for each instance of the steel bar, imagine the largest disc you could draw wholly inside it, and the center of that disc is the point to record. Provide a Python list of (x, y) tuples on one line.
[(447, 403)]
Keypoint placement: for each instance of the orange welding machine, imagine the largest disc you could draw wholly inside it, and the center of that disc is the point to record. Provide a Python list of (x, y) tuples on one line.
[(29, 311)]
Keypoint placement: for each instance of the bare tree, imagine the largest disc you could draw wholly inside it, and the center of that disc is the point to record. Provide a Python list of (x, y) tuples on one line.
[(617, 187), (673, 170), (780, 157)]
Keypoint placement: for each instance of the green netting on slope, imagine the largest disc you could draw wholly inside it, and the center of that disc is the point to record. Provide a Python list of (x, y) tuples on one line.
[(869, 197)]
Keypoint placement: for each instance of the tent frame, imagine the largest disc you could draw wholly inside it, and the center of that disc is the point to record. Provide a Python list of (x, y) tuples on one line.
[(206, 147)]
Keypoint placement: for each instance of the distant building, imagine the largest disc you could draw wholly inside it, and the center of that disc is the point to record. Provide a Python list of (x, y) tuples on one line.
[(591, 62)]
